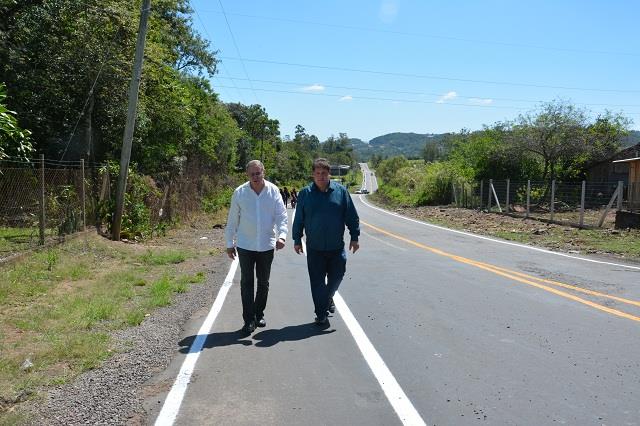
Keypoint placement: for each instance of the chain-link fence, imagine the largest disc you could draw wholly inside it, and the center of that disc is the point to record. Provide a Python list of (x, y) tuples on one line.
[(583, 204), (41, 201)]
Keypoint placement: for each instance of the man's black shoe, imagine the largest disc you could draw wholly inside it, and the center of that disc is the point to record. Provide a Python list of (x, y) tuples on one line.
[(332, 306), (321, 320), (248, 328), (261, 323)]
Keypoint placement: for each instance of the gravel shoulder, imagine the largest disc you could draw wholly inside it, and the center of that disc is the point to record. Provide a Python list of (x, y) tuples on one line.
[(114, 393)]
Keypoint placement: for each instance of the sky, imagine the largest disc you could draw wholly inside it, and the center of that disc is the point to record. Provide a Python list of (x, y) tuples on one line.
[(368, 68)]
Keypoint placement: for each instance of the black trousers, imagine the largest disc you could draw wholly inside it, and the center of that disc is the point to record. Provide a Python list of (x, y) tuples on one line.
[(253, 307)]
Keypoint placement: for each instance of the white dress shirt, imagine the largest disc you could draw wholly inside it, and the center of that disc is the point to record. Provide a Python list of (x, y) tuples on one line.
[(256, 221)]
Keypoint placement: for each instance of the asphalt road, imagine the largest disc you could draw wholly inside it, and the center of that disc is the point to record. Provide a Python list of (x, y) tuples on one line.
[(474, 331)]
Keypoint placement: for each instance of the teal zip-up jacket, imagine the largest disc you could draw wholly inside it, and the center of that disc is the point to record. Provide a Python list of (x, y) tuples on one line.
[(322, 217)]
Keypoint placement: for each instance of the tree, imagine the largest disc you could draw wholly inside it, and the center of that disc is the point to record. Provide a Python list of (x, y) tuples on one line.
[(14, 141), (556, 133)]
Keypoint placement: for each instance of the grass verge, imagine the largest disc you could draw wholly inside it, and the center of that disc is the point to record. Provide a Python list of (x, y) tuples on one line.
[(58, 307)]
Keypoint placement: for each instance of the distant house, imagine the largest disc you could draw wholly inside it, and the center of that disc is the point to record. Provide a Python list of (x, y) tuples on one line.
[(611, 170), (633, 185)]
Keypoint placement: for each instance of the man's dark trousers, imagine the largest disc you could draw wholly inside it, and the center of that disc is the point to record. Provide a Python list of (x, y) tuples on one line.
[(330, 264), (253, 308)]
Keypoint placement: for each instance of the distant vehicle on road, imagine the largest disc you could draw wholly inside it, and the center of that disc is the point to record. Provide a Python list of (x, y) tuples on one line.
[(362, 191)]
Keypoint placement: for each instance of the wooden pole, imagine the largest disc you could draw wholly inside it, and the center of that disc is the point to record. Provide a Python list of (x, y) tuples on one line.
[(131, 120)]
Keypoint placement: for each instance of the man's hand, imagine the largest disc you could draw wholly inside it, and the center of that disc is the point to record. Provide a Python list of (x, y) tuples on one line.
[(231, 252), (298, 248), (280, 243), (354, 246)]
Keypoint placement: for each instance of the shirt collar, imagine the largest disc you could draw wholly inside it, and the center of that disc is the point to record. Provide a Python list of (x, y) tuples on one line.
[(330, 188)]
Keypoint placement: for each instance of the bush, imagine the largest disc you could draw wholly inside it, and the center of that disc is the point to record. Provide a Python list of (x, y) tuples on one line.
[(218, 200)]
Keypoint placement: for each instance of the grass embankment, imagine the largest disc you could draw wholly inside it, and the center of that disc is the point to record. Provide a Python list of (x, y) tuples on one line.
[(58, 306), (620, 243)]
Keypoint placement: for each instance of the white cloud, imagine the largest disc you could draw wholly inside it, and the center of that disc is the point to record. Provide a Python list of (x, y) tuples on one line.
[(347, 98), (447, 97), (479, 101), (388, 10), (314, 88)]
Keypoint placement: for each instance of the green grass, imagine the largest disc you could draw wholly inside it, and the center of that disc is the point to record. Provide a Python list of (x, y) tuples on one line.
[(163, 258), (58, 306)]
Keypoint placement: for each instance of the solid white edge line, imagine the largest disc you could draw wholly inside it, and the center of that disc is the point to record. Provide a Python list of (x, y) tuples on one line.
[(174, 399), (395, 395), (498, 241)]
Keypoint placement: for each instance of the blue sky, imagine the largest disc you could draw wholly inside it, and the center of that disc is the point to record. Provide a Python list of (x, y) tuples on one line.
[(367, 68)]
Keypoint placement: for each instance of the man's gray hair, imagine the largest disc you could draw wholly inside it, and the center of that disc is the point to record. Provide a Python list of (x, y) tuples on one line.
[(256, 163)]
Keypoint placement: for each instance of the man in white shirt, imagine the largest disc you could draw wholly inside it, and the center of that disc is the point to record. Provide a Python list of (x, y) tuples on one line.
[(257, 224)]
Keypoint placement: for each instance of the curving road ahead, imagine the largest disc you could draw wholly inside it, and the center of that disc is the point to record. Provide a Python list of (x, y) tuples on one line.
[(470, 331)]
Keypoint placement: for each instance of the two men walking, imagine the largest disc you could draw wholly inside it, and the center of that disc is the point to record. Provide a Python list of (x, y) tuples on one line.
[(257, 224)]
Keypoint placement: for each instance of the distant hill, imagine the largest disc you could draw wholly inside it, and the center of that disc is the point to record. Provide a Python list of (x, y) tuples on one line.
[(411, 145), (408, 144)]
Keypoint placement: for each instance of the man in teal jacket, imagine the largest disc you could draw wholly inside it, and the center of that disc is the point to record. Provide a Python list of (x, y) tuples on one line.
[(322, 211)]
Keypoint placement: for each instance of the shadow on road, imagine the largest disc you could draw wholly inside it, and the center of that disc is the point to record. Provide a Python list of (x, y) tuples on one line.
[(290, 333), (213, 340)]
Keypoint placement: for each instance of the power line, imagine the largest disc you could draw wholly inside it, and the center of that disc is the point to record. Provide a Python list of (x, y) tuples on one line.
[(221, 62), (435, 36), (430, 77), (415, 101), (420, 93), (237, 50)]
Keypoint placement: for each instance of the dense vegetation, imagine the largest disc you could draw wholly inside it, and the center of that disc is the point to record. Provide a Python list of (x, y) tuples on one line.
[(66, 66), (556, 141)]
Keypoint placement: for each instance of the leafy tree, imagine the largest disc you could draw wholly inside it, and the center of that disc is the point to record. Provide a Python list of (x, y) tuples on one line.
[(14, 141), (556, 133)]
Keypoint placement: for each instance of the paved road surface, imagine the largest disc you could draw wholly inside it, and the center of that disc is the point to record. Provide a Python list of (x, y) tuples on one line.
[(474, 332)]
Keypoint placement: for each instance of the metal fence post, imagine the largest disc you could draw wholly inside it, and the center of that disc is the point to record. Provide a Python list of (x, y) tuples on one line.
[(582, 196), (481, 187), (489, 195), (84, 208), (528, 198), (42, 213), (506, 206), (553, 197)]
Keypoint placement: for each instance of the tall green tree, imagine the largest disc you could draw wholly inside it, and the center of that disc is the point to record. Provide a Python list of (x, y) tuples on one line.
[(14, 141)]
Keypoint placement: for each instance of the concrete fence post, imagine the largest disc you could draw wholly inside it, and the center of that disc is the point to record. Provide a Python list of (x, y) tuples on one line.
[(553, 197), (620, 194), (84, 200), (528, 198), (506, 205), (42, 197), (582, 197)]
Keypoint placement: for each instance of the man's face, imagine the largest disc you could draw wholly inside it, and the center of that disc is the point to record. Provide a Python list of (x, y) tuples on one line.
[(256, 175), (321, 178)]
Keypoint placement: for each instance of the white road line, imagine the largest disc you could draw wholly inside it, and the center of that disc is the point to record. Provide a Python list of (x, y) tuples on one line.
[(394, 393), (392, 390), (174, 399), (499, 241)]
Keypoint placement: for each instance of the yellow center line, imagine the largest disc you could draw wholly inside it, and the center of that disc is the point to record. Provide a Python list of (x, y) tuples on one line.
[(523, 278)]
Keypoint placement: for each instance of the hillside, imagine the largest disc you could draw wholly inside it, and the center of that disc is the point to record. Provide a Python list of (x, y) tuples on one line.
[(408, 144), (411, 145)]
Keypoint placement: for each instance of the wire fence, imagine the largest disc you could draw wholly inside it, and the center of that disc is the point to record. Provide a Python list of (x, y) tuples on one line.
[(582, 204), (42, 201)]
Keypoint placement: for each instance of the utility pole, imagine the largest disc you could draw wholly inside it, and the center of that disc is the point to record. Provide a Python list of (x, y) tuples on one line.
[(131, 120)]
